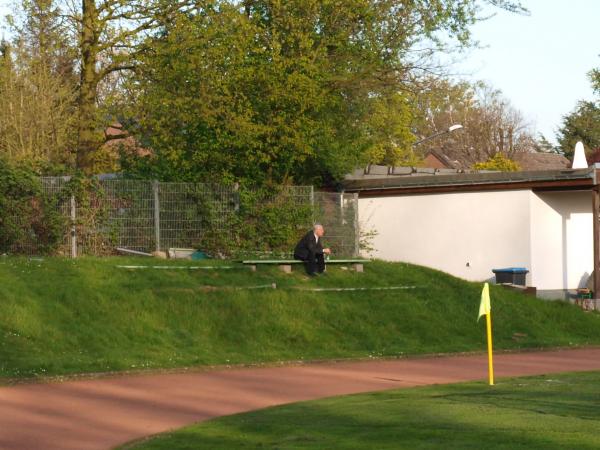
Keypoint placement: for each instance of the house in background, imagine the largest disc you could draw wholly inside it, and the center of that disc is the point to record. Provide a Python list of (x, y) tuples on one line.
[(467, 223), (528, 161), (118, 142), (541, 161), (438, 160)]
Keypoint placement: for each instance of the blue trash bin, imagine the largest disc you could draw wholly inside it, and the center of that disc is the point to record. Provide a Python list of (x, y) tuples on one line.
[(512, 275)]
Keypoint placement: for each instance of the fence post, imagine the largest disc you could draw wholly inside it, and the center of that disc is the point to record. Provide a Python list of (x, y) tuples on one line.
[(342, 212), (73, 228), (356, 227), (236, 197), (312, 204), (155, 187)]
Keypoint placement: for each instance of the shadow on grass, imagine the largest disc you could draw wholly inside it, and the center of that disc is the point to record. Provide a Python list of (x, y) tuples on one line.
[(529, 413)]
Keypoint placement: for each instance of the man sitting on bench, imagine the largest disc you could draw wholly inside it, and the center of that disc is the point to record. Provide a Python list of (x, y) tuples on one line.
[(310, 250)]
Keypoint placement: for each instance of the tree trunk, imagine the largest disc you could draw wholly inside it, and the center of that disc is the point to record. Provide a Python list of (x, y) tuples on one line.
[(89, 137)]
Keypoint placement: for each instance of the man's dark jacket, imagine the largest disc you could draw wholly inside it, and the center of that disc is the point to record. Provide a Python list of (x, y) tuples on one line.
[(308, 245)]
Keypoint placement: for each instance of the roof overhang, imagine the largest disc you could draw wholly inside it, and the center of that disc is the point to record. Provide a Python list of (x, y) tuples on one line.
[(550, 180)]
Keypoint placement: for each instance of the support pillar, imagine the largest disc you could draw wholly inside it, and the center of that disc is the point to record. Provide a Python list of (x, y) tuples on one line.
[(596, 219), (356, 228)]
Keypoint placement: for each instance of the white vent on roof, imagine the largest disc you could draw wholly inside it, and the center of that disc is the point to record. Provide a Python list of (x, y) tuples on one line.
[(579, 161)]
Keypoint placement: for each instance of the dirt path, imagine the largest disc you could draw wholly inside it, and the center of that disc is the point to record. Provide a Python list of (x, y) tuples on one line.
[(103, 413)]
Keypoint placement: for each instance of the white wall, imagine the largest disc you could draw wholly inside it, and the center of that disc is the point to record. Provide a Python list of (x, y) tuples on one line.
[(446, 231), (548, 233), (562, 251)]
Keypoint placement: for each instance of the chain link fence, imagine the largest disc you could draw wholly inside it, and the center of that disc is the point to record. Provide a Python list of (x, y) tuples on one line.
[(222, 221)]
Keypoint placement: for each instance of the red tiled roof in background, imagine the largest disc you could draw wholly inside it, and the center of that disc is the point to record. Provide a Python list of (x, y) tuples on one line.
[(541, 161), (528, 161), (116, 137), (594, 157)]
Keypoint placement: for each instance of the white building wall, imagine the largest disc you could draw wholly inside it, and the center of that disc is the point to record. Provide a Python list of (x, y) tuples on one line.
[(469, 234), (465, 234), (562, 252)]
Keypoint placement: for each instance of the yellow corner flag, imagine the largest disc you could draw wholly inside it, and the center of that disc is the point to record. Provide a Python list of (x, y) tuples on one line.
[(485, 309), (484, 306)]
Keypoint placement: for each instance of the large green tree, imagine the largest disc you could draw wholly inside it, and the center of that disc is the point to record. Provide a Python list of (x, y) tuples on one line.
[(582, 124), (108, 36), (94, 41), (271, 91)]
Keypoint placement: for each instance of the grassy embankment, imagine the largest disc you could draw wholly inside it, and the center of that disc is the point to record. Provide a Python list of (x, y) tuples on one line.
[(60, 316), (544, 413)]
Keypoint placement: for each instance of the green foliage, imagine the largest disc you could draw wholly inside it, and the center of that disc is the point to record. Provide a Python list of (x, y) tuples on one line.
[(498, 162), (60, 316), (276, 220), (96, 233), (255, 91), (37, 90), (264, 221), (225, 103), (595, 79), (529, 413), (543, 145), (583, 124), (390, 138), (30, 220), (266, 92)]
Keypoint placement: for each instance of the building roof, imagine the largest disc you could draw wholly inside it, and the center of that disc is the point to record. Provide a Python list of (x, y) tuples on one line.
[(526, 160), (118, 139), (115, 131), (418, 180), (433, 156), (594, 157), (541, 161)]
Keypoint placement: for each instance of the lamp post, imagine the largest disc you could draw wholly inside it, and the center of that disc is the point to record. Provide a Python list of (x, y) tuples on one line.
[(450, 129)]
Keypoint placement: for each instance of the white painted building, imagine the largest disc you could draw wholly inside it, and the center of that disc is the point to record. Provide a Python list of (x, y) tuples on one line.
[(469, 224)]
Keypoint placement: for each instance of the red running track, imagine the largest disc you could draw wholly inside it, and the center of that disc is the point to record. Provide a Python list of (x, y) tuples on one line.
[(102, 413)]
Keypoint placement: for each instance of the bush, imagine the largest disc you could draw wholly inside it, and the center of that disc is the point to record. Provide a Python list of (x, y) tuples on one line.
[(498, 162), (30, 221), (264, 222)]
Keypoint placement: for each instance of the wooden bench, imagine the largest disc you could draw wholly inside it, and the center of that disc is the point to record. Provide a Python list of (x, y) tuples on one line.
[(285, 265)]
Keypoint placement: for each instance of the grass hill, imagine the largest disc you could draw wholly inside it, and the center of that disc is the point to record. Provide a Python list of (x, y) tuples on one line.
[(61, 316)]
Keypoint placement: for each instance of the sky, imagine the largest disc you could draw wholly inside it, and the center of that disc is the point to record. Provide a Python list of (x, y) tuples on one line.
[(540, 62)]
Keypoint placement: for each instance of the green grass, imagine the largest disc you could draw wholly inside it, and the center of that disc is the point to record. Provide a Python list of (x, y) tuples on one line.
[(558, 412), (61, 316)]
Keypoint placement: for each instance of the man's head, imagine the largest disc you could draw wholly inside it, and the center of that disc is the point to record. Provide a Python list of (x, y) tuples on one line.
[(319, 230)]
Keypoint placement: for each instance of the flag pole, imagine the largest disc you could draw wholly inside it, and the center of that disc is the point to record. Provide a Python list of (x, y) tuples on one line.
[(488, 320), (485, 309)]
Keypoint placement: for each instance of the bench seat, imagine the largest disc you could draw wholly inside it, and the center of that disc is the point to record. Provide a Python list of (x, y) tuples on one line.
[(285, 265)]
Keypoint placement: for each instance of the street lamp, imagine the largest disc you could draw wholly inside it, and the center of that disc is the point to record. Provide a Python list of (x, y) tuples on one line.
[(450, 129)]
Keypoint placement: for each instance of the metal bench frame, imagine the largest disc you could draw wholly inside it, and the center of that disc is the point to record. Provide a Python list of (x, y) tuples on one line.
[(285, 265)]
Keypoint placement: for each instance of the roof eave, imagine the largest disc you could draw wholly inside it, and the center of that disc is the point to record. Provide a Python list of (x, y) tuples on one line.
[(564, 179)]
